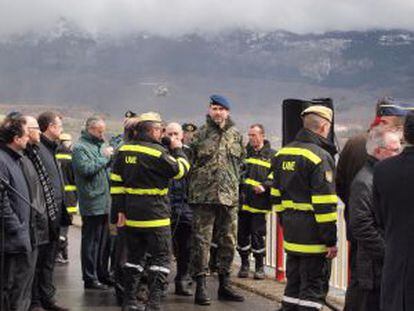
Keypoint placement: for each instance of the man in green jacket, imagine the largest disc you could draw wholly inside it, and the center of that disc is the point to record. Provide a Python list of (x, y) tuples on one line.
[(214, 195), (90, 160)]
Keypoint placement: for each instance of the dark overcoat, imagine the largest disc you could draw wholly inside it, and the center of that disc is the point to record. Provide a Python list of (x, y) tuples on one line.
[(394, 208)]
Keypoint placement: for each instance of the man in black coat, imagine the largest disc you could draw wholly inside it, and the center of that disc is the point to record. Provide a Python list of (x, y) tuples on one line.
[(50, 124), (393, 201), (15, 237), (182, 217), (364, 228)]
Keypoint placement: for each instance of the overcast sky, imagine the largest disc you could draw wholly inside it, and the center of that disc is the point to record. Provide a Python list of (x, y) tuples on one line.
[(176, 17)]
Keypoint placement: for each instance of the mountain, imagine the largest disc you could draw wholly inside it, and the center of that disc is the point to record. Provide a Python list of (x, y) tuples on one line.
[(176, 75)]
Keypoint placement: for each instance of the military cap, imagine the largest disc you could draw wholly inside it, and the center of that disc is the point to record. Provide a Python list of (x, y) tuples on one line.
[(388, 106), (14, 115), (322, 111), (65, 136), (150, 117), (130, 114), (220, 100), (189, 127)]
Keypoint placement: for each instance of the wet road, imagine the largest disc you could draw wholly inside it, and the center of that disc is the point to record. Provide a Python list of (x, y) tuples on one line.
[(72, 294)]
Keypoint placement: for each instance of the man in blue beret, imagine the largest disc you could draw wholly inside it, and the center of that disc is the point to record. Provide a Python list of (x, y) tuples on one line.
[(214, 195)]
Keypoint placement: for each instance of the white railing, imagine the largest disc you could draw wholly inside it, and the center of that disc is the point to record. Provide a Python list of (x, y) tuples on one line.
[(339, 265)]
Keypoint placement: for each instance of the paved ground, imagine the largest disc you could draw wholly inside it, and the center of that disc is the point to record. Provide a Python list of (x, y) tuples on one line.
[(72, 294)]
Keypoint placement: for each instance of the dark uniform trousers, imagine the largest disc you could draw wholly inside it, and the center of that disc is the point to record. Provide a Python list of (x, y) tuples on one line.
[(182, 234), (153, 242), (307, 282), (251, 234), (43, 289), (94, 245), (17, 280), (224, 219)]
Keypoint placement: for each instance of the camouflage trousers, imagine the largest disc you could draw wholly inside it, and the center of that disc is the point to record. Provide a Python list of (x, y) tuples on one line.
[(223, 219)]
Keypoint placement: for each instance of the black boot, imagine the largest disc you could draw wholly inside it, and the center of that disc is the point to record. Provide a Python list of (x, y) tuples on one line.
[(157, 283), (225, 291), (201, 296), (245, 267), (131, 280), (259, 273)]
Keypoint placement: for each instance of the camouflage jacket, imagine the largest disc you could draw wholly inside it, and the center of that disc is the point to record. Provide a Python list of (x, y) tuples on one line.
[(215, 175)]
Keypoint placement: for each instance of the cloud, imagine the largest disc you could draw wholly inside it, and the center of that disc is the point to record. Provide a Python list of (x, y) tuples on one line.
[(176, 17)]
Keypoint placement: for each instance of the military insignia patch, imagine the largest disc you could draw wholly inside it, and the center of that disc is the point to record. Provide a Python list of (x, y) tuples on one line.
[(329, 176)]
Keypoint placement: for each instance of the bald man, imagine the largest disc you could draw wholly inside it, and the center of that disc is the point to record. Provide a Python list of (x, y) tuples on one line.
[(45, 222), (181, 220)]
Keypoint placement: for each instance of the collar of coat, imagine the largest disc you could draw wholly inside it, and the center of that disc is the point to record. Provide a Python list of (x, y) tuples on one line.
[(307, 136), (48, 143), (409, 149), (90, 138), (212, 124), (266, 147), (14, 154)]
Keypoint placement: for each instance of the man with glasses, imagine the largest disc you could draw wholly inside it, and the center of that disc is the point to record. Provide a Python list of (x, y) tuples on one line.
[(364, 227)]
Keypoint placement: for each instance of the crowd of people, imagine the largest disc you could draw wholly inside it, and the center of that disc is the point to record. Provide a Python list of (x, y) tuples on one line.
[(200, 194)]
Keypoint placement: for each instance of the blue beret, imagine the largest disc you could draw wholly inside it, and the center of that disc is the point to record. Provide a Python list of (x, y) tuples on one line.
[(220, 100), (391, 107)]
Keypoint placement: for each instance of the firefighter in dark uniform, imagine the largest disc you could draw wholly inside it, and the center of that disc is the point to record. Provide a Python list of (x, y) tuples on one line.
[(304, 196), (255, 202), (64, 157), (141, 174)]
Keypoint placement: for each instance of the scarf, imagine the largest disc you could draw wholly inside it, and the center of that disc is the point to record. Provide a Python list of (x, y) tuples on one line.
[(48, 191)]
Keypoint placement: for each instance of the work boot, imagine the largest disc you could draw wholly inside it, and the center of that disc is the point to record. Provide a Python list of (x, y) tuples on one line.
[(225, 291), (201, 296), (259, 273), (156, 290), (245, 267), (131, 280), (182, 288)]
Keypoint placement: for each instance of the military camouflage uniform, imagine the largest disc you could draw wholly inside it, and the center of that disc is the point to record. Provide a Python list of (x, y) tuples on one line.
[(214, 193)]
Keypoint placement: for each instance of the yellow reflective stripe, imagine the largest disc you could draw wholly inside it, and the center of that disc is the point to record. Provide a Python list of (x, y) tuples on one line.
[(117, 190), (270, 176), (254, 210), (325, 199), (278, 208), (258, 162), (297, 206), (63, 156), (305, 248), (141, 149), (115, 177), (72, 209), (70, 188), (181, 171), (149, 191), (275, 192), (139, 191), (148, 223), (185, 162), (300, 152), (329, 217), (252, 182)]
